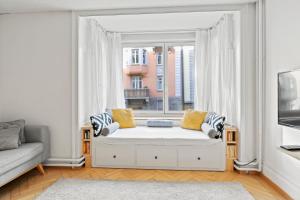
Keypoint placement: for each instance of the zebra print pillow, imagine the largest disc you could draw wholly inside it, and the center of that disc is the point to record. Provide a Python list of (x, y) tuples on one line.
[(99, 122), (216, 122)]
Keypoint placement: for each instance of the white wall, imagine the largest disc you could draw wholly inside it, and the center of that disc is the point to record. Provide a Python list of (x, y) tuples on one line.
[(247, 92), (35, 73), (282, 53)]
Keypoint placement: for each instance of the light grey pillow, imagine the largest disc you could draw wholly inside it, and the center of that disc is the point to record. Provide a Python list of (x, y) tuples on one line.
[(19, 123), (160, 123), (208, 130), (109, 129), (9, 138)]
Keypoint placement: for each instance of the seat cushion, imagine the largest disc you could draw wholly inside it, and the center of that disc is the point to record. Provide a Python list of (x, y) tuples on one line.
[(9, 159), (144, 132)]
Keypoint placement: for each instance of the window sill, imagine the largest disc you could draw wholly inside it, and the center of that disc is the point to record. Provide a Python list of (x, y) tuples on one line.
[(159, 117), (294, 154)]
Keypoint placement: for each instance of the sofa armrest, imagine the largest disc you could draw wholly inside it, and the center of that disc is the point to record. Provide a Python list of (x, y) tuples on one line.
[(39, 134)]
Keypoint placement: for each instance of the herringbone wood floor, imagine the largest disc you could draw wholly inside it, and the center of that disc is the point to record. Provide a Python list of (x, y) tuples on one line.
[(33, 183)]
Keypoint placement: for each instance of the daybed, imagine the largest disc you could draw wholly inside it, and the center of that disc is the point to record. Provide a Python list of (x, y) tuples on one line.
[(159, 148)]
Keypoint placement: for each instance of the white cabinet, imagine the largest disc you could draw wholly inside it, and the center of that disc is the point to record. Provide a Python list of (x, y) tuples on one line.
[(155, 156), (139, 154), (114, 155), (198, 157)]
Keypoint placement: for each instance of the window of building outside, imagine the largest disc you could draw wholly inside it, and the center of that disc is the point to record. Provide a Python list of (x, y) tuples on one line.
[(159, 59), (144, 56), (136, 82), (135, 56), (159, 85)]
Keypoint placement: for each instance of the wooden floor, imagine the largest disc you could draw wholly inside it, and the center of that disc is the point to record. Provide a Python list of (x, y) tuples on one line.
[(33, 183)]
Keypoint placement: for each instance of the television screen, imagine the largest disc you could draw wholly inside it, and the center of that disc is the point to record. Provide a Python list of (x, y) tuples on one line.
[(289, 98)]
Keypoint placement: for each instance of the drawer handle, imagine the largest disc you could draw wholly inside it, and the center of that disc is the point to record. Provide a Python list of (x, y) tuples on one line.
[(198, 158), (114, 156), (155, 157)]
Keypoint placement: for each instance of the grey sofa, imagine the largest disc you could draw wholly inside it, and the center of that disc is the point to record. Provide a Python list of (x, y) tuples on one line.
[(29, 155)]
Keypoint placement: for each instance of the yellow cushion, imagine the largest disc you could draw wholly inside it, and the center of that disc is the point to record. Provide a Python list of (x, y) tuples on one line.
[(124, 117), (193, 119)]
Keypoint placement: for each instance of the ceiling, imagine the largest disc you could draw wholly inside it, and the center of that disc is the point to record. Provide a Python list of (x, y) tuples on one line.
[(159, 22), (12, 6)]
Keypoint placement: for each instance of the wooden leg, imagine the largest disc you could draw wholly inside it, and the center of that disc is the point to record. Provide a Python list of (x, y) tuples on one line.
[(40, 168)]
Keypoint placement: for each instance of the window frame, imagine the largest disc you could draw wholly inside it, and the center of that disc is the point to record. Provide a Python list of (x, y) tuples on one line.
[(144, 56), (165, 112), (138, 80), (162, 83), (136, 56), (162, 58)]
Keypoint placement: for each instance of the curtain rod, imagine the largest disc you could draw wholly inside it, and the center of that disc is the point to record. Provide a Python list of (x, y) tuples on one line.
[(164, 31), (218, 22), (171, 30)]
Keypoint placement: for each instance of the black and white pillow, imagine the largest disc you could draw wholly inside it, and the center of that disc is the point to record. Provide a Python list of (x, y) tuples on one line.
[(216, 122), (100, 121)]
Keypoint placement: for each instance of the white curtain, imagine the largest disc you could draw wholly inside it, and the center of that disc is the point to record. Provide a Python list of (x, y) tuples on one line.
[(115, 98), (216, 75), (99, 70)]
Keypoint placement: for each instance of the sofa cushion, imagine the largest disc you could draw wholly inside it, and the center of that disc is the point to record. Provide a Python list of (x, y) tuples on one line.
[(10, 159), (99, 122), (124, 117), (159, 123), (9, 138), (216, 121), (193, 119), (20, 123)]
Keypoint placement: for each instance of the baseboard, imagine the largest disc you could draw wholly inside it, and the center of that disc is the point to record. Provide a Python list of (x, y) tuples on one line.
[(65, 162), (282, 184)]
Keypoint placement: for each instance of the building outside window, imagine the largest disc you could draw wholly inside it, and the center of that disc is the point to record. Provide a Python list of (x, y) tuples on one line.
[(161, 87)]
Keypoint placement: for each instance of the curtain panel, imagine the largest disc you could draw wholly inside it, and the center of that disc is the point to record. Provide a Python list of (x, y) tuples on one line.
[(99, 70), (216, 70)]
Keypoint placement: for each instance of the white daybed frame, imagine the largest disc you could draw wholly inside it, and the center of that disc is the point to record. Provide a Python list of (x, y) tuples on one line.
[(191, 153)]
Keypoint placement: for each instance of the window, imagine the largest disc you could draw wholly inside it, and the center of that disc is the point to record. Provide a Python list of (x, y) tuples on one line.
[(135, 56), (144, 56), (164, 86), (138, 56), (159, 83), (181, 77), (159, 60), (136, 82)]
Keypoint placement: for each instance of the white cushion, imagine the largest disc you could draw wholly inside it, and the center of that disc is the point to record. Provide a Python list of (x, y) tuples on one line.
[(158, 132)]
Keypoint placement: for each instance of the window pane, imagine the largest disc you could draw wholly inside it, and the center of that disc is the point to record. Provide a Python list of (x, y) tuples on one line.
[(160, 83), (142, 78), (135, 56), (136, 82), (144, 56), (181, 79), (159, 58)]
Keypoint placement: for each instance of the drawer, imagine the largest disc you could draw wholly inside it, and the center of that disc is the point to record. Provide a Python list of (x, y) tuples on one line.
[(156, 156), (197, 157), (114, 155)]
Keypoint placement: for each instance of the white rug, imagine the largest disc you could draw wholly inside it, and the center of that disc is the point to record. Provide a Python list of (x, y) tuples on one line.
[(75, 189)]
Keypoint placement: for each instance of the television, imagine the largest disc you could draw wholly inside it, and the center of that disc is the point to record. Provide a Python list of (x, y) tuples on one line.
[(289, 98)]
